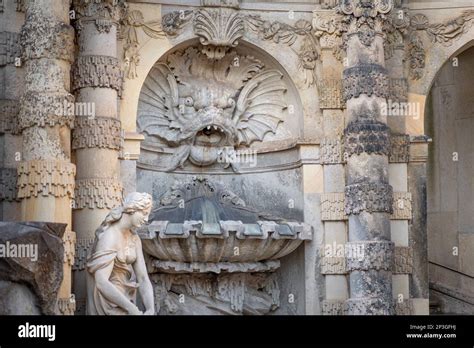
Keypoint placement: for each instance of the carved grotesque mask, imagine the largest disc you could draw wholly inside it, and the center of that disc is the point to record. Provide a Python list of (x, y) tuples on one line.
[(201, 105)]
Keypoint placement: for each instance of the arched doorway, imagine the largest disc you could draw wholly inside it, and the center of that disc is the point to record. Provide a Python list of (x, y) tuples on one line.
[(449, 122)]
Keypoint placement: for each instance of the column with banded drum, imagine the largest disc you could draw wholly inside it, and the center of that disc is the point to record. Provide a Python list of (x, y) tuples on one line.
[(45, 173), (97, 82), (368, 194), (11, 80)]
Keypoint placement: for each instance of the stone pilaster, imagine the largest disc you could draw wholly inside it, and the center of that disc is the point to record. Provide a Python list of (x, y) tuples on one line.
[(368, 194), (97, 139), (45, 174)]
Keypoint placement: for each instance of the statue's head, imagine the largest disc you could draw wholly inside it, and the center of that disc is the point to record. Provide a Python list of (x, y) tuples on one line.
[(138, 206), (133, 212)]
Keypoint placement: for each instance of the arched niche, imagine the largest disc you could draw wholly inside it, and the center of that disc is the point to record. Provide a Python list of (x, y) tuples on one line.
[(449, 121), (191, 109)]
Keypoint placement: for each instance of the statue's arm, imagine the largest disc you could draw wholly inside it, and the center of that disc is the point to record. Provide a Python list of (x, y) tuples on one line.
[(145, 288), (110, 292)]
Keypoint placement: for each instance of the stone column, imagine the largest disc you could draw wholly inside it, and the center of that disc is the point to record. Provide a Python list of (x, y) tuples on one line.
[(45, 173), (11, 81), (368, 194), (97, 82)]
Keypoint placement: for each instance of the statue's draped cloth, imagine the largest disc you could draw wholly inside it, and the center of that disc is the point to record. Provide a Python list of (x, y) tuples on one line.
[(122, 277)]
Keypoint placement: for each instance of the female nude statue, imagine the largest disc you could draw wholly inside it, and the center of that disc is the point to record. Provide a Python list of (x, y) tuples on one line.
[(116, 268)]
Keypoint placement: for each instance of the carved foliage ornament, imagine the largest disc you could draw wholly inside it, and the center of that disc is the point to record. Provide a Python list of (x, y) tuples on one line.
[(200, 106), (308, 50)]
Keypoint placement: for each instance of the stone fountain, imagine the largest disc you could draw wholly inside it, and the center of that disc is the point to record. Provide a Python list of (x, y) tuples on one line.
[(208, 253)]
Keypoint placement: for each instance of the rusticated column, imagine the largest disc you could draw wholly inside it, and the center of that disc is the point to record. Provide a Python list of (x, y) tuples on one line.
[(97, 83), (11, 81), (46, 174), (368, 194)]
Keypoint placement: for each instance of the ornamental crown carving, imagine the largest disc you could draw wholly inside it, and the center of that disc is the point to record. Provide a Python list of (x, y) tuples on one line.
[(365, 8), (218, 29)]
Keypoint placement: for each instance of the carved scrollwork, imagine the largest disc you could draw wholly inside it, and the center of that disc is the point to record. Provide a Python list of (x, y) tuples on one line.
[(278, 32)]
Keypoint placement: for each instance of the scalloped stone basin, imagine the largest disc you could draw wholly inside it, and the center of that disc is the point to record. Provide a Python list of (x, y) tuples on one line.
[(200, 221), (229, 241)]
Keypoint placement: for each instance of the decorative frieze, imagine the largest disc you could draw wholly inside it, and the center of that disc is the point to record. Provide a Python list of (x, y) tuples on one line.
[(67, 306), (82, 253), (368, 136), (333, 307), (8, 188), (331, 151), (376, 255), (332, 206), (45, 109), (368, 197), (9, 47), (101, 132), (55, 178), (398, 90), (45, 37), (369, 79), (98, 193), (69, 242), (333, 265), (403, 260), (97, 71), (400, 148), (402, 207), (330, 94), (9, 110)]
